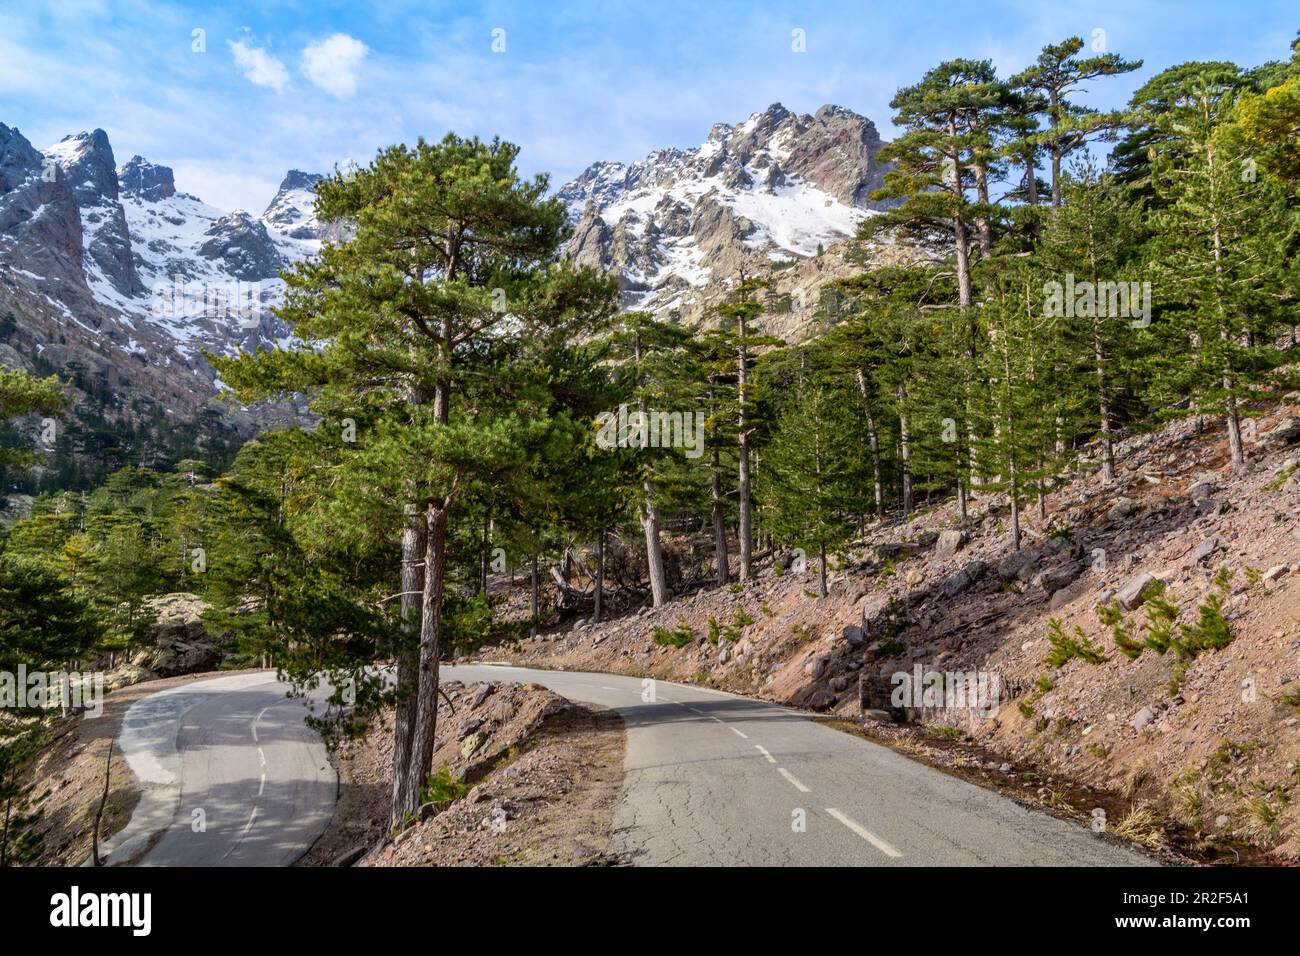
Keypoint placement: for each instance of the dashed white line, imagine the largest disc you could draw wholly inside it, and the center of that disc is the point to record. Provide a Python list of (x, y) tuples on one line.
[(770, 758), (261, 756), (863, 832), (261, 784), (738, 733), (798, 785)]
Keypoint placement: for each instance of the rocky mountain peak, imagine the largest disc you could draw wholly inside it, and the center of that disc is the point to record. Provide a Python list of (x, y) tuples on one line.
[(146, 180), (292, 211), (86, 160), (681, 224)]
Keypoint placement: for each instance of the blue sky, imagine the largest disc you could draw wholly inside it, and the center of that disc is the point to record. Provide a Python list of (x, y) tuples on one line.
[(303, 84)]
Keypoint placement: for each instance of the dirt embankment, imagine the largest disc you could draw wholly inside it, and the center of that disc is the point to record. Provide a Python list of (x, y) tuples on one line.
[(521, 777), (1200, 749)]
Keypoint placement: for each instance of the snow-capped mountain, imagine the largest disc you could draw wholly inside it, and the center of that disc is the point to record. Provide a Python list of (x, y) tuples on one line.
[(116, 276), (114, 271), (770, 193)]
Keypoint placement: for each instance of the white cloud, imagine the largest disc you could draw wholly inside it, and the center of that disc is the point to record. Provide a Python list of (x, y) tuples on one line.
[(259, 67), (332, 64)]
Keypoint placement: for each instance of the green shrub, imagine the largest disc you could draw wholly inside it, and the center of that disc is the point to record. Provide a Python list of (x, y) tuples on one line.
[(442, 789), (1065, 647), (679, 636)]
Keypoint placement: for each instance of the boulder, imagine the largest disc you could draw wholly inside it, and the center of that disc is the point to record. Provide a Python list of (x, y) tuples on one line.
[(1018, 565), (854, 635), (1133, 593), (1123, 508), (1202, 487), (1205, 549), (1286, 432), (821, 699), (963, 579), (815, 666), (1142, 718), (179, 642), (950, 541), (1061, 577)]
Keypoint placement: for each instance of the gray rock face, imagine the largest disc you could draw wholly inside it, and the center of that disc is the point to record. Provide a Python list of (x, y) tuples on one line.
[(291, 210), (40, 226), (243, 248)]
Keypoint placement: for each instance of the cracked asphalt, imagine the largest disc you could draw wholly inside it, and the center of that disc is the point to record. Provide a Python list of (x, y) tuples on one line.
[(712, 779)]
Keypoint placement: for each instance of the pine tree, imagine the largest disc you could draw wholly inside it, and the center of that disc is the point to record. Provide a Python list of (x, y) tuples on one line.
[(811, 479), (1057, 73), (452, 251), (1219, 260)]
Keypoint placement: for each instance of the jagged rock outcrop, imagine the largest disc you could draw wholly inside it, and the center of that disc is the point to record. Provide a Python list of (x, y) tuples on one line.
[(148, 181), (85, 162), (242, 247)]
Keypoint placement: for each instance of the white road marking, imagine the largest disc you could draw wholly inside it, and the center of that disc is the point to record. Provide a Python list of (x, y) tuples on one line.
[(735, 731), (251, 817), (605, 687), (770, 758), (793, 779), (718, 719), (261, 756), (863, 832), (256, 719), (261, 784)]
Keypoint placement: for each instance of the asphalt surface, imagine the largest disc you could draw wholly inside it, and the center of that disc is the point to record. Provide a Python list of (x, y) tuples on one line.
[(233, 777), (718, 780)]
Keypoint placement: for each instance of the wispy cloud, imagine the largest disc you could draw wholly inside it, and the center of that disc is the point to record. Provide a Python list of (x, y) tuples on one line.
[(259, 67), (332, 64)]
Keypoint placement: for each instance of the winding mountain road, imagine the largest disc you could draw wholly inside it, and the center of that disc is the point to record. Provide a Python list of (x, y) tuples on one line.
[(711, 780)]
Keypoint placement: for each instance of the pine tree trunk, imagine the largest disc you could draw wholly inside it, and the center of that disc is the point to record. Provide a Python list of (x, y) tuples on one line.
[(905, 451), (873, 439), (600, 576), (534, 596), (426, 718), (483, 556), (1103, 410), (746, 530), (821, 577), (719, 524), (413, 548), (654, 555), (1235, 446)]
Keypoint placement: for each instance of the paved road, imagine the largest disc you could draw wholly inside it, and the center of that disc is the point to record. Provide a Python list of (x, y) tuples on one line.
[(717, 780), (711, 779), (231, 775)]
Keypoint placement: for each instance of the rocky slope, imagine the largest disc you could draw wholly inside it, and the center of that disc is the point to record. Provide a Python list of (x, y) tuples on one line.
[(535, 781), (765, 198), (1206, 747)]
